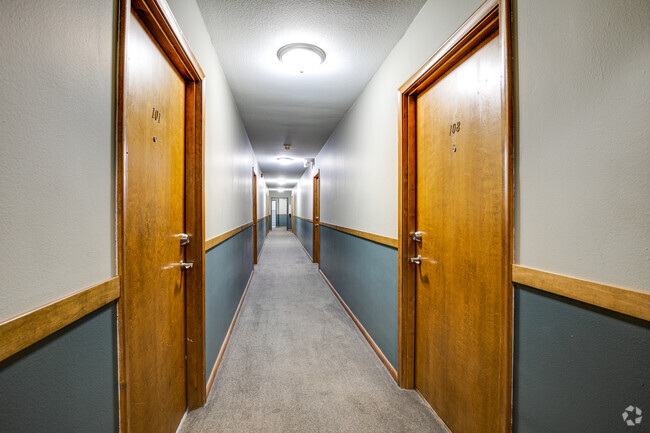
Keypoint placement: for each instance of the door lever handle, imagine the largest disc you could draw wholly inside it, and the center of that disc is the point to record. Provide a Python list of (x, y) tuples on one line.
[(316, 225), (185, 266), (416, 260)]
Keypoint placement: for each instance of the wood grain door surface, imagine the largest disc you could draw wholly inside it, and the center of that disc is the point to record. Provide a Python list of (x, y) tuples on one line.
[(154, 288), (316, 219), (460, 208), (254, 218)]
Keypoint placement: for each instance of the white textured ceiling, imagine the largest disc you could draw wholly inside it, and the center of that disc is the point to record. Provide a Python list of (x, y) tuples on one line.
[(279, 106)]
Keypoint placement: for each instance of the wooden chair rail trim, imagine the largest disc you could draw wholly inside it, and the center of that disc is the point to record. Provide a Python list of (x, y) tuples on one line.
[(211, 243), (384, 240), (304, 219), (208, 386), (626, 301), (372, 343), (26, 329)]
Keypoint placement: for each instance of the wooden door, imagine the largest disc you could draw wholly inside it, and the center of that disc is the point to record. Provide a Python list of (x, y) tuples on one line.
[(254, 218), (461, 293), (316, 215), (154, 298)]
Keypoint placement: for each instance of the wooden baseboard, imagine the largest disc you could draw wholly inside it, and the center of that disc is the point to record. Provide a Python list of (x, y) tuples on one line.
[(26, 329), (213, 374), (303, 248), (626, 301), (372, 343)]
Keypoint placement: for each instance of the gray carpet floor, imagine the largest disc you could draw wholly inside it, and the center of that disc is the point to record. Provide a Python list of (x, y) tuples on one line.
[(296, 362)]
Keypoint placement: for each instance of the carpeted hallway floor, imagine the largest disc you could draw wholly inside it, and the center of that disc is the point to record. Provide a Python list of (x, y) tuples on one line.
[(297, 363)]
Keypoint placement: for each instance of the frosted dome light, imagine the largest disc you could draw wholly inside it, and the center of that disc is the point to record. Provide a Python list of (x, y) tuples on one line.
[(301, 57)]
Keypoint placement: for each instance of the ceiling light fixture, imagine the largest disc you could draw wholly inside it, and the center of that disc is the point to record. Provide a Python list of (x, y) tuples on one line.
[(285, 160), (301, 57)]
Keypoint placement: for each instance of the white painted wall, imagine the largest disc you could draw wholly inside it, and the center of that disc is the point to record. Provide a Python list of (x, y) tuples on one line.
[(303, 194), (583, 187), (262, 192), (229, 156), (359, 161), (583, 168), (57, 159), (57, 155)]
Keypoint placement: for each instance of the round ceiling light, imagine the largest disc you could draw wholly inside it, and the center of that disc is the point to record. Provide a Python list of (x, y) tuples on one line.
[(301, 57), (285, 160)]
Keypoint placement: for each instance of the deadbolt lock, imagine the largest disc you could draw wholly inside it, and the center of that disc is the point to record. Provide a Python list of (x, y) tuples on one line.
[(185, 239), (417, 237)]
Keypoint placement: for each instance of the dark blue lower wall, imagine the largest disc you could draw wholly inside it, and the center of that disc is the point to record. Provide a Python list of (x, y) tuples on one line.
[(283, 220), (66, 382), (228, 267), (364, 273), (577, 367), (261, 234), (304, 230)]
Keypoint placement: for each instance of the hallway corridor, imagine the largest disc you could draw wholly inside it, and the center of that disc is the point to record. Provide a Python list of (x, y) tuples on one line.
[(297, 362)]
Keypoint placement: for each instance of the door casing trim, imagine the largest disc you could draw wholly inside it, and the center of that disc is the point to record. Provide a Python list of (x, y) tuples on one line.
[(316, 205), (491, 16), (160, 22)]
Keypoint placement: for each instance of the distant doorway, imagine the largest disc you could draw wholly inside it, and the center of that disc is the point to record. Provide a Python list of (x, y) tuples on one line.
[(274, 213), (283, 212)]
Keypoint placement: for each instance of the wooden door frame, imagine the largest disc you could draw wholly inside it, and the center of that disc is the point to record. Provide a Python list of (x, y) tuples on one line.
[(315, 205), (491, 16), (160, 22), (254, 217)]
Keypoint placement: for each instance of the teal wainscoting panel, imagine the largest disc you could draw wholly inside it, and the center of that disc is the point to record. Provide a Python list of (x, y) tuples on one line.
[(228, 267), (66, 382), (364, 273), (577, 368), (261, 234), (305, 232), (282, 220)]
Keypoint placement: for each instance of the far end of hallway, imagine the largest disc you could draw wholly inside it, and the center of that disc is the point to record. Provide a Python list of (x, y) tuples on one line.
[(296, 362)]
